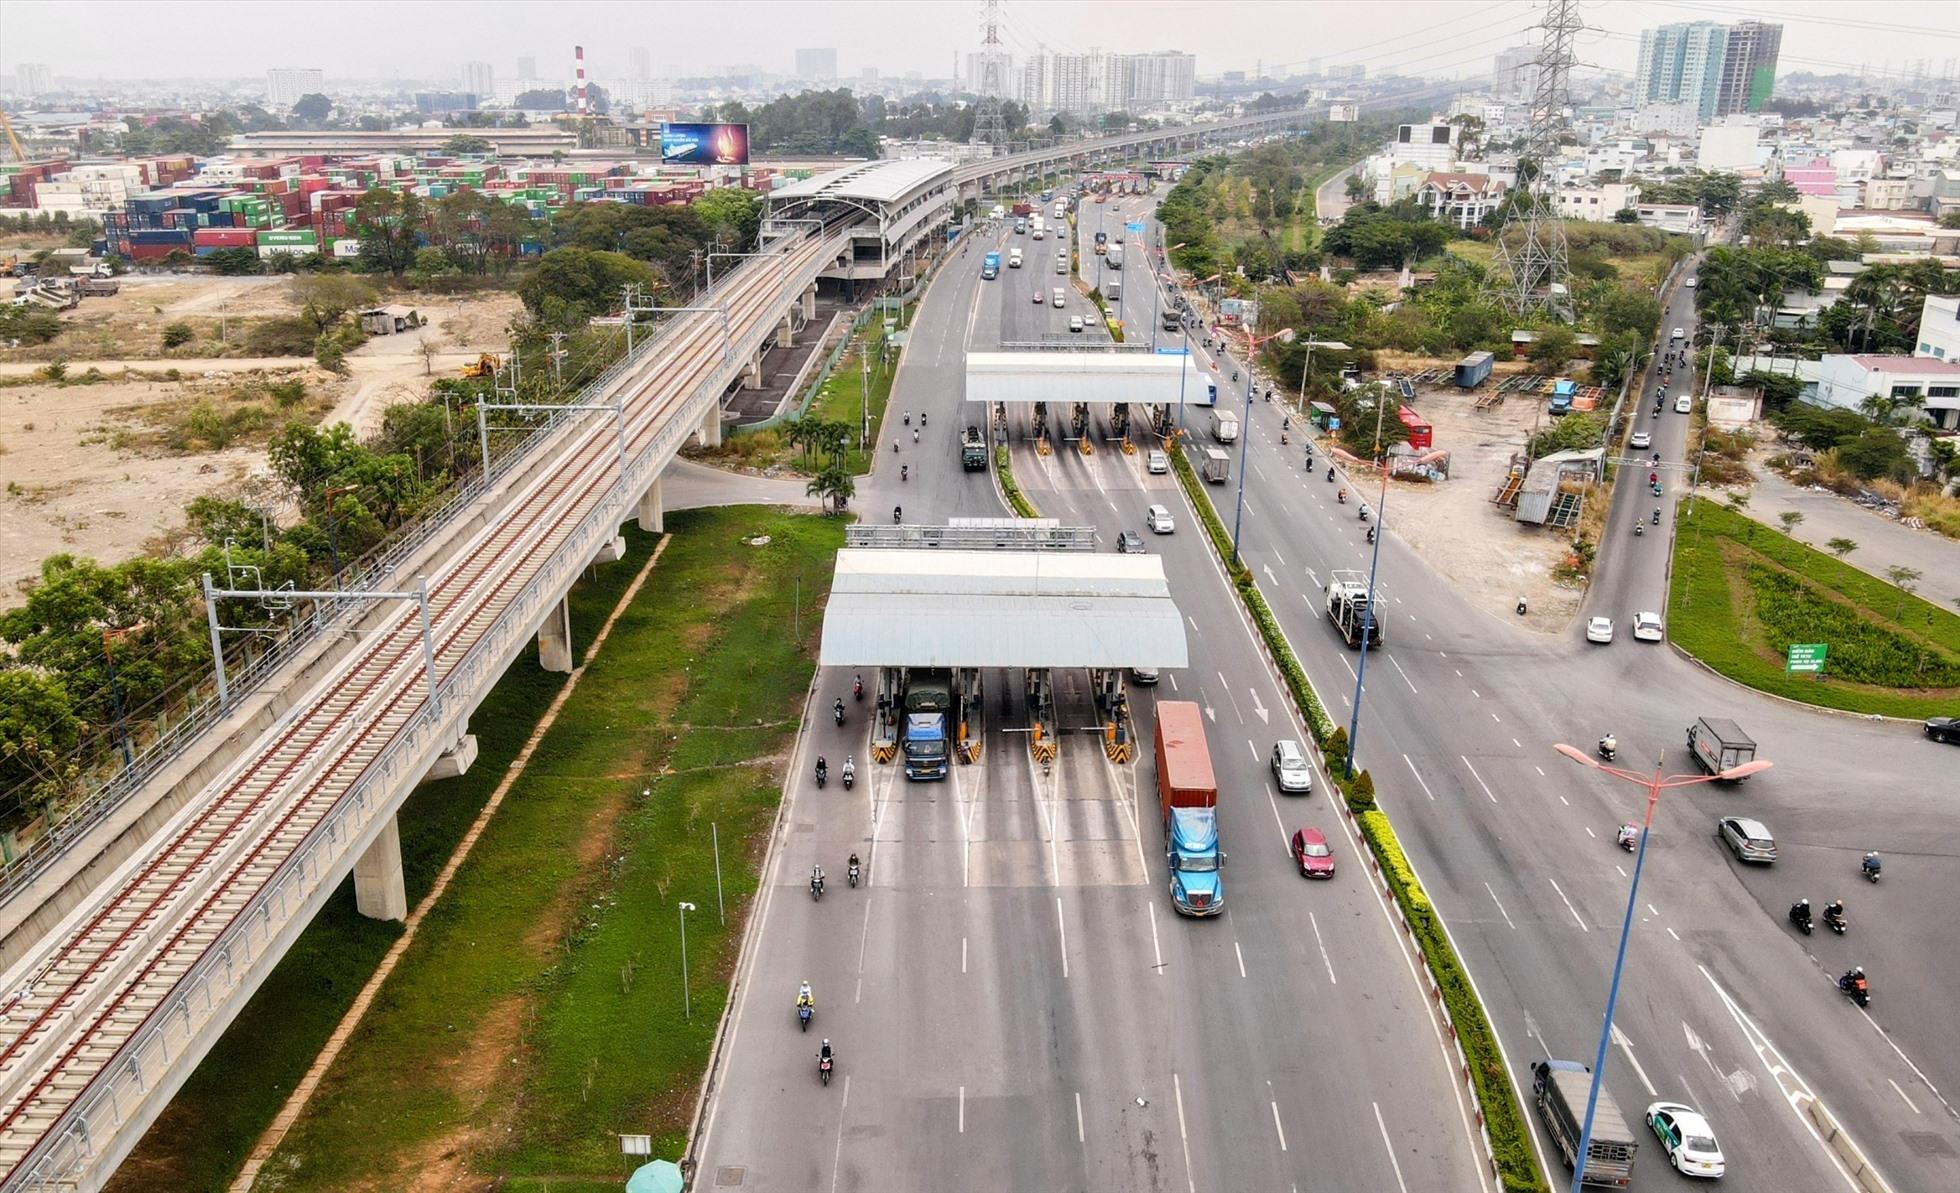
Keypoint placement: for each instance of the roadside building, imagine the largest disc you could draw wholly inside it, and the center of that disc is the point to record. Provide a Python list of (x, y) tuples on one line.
[(1460, 199), (1845, 381), (1939, 329), (1597, 203)]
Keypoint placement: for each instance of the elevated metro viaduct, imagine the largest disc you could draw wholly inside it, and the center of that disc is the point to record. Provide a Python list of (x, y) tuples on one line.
[(1076, 378), (932, 607)]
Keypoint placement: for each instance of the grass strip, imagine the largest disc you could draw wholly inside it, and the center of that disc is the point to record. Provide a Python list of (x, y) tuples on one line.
[(1741, 593), (540, 1010), (1510, 1142), (1010, 488)]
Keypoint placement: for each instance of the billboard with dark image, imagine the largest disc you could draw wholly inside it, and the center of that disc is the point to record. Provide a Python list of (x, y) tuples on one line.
[(704, 144)]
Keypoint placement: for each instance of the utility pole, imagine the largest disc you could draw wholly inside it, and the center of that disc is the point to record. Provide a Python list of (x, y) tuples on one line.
[(1532, 274), (557, 360), (989, 128)]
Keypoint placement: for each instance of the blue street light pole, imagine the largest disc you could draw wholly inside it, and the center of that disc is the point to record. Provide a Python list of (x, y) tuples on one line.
[(1245, 435), (1367, 628)]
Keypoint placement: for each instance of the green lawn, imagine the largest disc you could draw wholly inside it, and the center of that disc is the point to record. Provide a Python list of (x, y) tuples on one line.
[(539, 1012), (1742, 593), (206, 1131), (842, 397)]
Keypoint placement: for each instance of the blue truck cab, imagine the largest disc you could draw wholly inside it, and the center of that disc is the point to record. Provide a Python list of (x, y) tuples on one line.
[(1563, 391), (1197, 886), (990, 266), (928, 713)]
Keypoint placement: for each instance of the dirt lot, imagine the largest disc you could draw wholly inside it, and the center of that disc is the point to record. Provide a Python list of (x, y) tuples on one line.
[(1489, 557), (104, 470)]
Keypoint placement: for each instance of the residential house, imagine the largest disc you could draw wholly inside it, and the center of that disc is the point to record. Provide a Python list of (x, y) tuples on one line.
[(1460, 199), (1939, 329), (1597, 203)]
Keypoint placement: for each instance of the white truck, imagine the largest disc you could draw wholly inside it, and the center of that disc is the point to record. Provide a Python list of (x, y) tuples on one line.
[(1224, 426), (1014, 258)]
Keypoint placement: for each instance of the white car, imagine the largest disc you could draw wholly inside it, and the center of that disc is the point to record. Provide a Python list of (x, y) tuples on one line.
[(1680, 334), (1075, 323), (1641, 439), (1647, 627), (1691, 283), (1158, 461), (1059, 297), (1158, 518), (1687, 1139), (1599, 629), (1683, 404)]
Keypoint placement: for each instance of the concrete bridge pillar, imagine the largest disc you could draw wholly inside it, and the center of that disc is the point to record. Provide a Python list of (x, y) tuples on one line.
[(611, 550), (453, 761), (711, 425), (810, 304), (653, 515), (787, 337), (751, 378), (555, 638), (379, 893)]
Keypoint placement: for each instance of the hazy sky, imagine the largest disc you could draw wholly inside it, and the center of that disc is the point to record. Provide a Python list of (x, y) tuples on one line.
[(428, 39)]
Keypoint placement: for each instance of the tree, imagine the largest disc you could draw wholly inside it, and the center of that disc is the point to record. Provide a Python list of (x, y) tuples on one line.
[(1842, 547), (733, 213), (1629, 311), (233, 262), (324, 299), (465, 144), (542, 99), (1626, 215), (312, 108), (38, 732), (1950, 219), (834, 486), (573, 284), (1791, 519), (1554, 348), (1904, 579), (176, 335), (389, 225)]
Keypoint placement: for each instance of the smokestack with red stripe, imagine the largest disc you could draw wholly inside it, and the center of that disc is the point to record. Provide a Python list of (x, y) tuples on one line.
[(578, 57)]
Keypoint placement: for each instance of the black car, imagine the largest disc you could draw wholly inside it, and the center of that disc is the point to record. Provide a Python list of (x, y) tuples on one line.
[(1946, 729), (1129, 542)]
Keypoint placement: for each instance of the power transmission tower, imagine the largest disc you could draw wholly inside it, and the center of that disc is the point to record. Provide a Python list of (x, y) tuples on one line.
[(1529, 270), (989, 128)]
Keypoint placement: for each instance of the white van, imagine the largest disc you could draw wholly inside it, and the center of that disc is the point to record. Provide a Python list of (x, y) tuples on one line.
[(1060, 297), (1158, 519)]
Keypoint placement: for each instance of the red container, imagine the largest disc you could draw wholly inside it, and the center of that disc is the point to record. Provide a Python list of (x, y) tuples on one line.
[(225, 238)]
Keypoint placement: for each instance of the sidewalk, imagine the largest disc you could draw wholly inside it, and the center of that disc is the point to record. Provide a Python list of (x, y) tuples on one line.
[(1882, 543)]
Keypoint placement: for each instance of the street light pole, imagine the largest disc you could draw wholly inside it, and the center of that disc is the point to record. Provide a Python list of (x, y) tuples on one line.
[(1252, 343), (687, 1005), (1368, 610), (1654, 784)]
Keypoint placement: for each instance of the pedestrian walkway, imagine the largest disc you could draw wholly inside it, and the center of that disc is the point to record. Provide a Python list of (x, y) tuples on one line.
[(1882, 542)]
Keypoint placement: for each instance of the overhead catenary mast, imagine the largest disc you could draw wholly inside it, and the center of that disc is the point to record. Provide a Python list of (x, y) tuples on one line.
[(1529, 271)]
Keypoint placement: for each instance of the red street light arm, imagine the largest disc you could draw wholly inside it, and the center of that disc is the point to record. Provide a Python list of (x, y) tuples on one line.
[(1732, 774)]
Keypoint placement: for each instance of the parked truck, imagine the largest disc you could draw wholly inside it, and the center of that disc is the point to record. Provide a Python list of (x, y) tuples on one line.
[(1719, 744), (973, 450), (1348, 609), (990, 266), (1563, 391), (1189, 794), (1560, 1088), (1224, 425), (1217, 466), (926, 731)]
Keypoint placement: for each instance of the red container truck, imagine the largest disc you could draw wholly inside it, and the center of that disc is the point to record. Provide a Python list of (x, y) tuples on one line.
[(1184, 775)]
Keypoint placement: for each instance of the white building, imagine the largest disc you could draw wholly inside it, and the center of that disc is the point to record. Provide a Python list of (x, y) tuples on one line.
[(34, 79), (1670, 217), (1598, 203), (1939, 328), (1432, 146), (1846, 381), (480, 80), (1460, 199), (1090, 84), (1728, 147), (284, 85), (1667, 119), (1515, 74)]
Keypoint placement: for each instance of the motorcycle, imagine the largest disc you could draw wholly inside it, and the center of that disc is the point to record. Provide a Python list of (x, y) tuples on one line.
[(1835, 921), (1629, 838), (1855, 985), (1800, 916), (898, 515), (1363, 511), (823, 1068), (1341, 497), (908, 418), (1657, 516), (1609, 748), (1639, 528), (857, 687), (1371, 535), (816, 887), (854, 874), (803, 1013), (850, 773), (1655, 414), (1330, 476), (904, 473), (922, 418), (1657, 489), (1871, 866)]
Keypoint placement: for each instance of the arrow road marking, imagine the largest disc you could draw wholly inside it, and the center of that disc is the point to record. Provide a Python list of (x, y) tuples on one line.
[(1258, 708), (1626, 1046)]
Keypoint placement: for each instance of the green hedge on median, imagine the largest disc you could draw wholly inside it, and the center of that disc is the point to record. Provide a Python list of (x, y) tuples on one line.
[(1016, 500), (1510, 1142)]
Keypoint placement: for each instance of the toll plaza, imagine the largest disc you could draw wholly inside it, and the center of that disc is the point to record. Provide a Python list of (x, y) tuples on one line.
[(1031, 379), (933, 609)]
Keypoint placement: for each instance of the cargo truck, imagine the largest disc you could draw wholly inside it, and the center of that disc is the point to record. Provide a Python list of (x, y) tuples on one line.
[(1114, 257), (1217, 466), (1348, 609), (1014, 258), (1560, 1088), (973, 450), (1563, 391), (1189, 794), (1224, 426), (990, 266), (1719, 744), (928, 707)]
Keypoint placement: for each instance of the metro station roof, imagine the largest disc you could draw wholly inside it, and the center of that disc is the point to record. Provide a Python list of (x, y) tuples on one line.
[(872, 182), (939, 608)]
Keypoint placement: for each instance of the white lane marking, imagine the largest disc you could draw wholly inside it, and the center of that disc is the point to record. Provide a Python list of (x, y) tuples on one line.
[(1588, 828), (1389, 1145), (1261, 472), (962, 954), (1674, 934), (1418, 774), (864, 938), (1517, 743), (1568, 902), (1279, 1130), (1404, 675), (1328, 961), (1233, 699), (1173, 679), (1272, 801), (1281, 558), (1495, 717), (1156, 948), (1887, 1037), (837, 1153), (1311, 575), (1653, 911), (1473, 691), (1259, 710), (1478, 777), (1190, 1178), (1080, 1135), (962, 1110), (1349, 666), (1062, 925), (1626, 1046), (1240, 954), (1540, 770), (1500, 907), (1621, 869), (1901, 1093), (1255, 749), (1459, 674)]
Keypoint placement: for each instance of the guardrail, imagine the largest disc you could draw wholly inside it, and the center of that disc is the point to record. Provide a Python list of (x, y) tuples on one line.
[(85, 815), (282, 907)]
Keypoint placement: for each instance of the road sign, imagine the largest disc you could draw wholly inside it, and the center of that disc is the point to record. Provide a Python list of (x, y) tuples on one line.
[(1133, 226), (1173, 351), (1806, 657)]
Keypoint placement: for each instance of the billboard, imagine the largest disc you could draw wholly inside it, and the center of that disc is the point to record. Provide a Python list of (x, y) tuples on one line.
[(1343, 112), (704, 144)]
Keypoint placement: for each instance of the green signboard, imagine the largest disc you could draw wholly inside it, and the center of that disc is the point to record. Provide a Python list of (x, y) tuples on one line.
[(1806, 657)]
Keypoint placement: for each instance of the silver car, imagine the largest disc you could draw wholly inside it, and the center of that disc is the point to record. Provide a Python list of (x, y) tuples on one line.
[(1291, 770), (1748, 839)]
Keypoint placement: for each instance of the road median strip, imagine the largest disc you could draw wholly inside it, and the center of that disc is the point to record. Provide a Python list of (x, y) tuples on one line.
[(1481, 1063)]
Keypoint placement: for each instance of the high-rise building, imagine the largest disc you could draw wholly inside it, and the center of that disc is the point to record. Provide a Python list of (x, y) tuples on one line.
[(975, 74), (816, 64), (480, 80), (1720, 69), (1093, 83), (642, 62), (1515, 74), (1165, 76), (34, 78), (527, 68), (284, 85)]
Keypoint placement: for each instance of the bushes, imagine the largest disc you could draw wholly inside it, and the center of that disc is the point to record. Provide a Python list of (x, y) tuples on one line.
[(176, 335), (1862, 651), (289, 336), (1016, 500)]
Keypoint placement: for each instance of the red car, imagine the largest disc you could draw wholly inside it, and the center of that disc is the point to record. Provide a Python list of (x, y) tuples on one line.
[(1311, 854)]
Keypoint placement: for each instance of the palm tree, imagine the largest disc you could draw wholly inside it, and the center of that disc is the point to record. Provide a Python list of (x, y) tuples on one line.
[(834, 485)]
